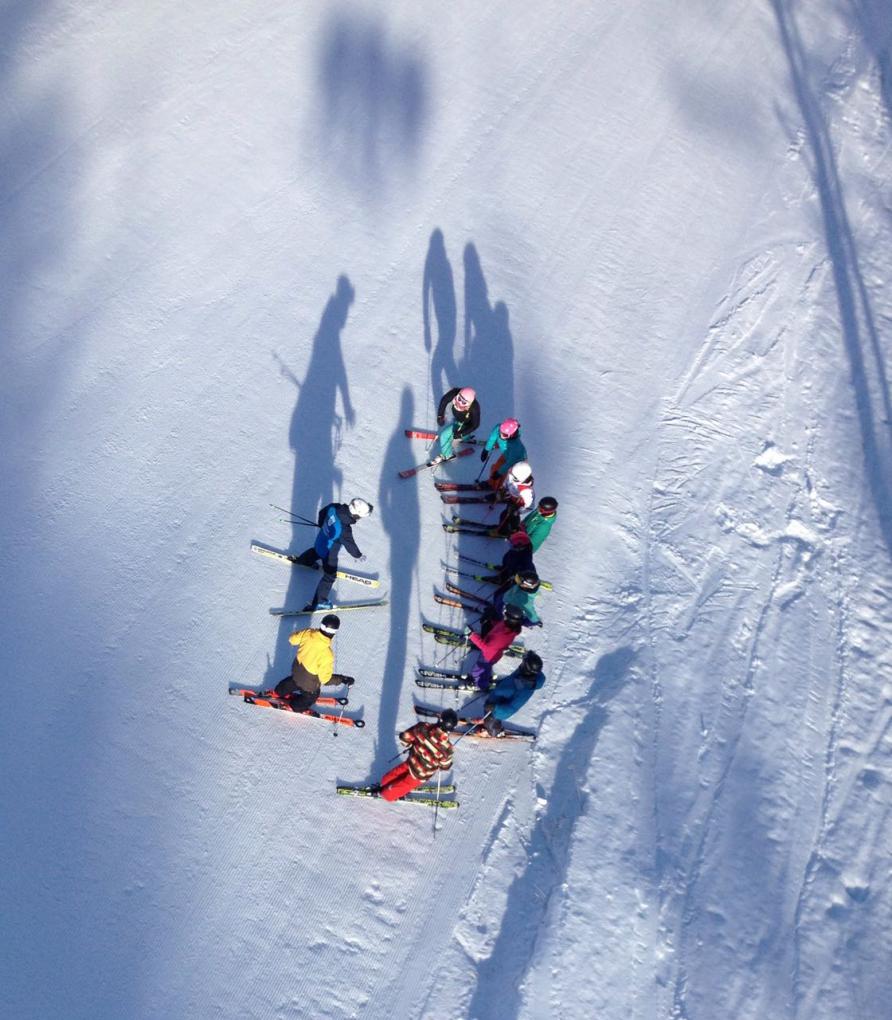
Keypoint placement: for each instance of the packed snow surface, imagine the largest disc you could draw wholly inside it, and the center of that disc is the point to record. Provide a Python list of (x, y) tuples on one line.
[(244, 246)]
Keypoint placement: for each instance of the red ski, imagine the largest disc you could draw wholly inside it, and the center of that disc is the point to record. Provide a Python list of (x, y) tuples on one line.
[(341, 720), (410, 472), (430, 435), (325, 699)]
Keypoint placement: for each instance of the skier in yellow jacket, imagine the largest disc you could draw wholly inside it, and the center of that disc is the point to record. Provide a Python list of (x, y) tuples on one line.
[(313, 665)]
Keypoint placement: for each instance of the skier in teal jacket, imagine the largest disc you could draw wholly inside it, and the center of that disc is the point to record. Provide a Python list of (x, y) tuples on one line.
[(506, 438)]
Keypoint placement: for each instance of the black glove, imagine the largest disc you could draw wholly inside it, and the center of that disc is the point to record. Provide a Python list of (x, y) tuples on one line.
[(483, 455), (441, 419)]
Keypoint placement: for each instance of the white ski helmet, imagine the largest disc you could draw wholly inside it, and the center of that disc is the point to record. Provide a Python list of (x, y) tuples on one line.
[(521, 471), (360, 508)]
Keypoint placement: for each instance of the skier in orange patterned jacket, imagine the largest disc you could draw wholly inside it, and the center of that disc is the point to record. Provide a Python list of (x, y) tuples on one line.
[(429, 751)]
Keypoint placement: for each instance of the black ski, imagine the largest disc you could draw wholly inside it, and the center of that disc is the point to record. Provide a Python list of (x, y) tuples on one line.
[(365, 791), (474, 727), (459, 638)]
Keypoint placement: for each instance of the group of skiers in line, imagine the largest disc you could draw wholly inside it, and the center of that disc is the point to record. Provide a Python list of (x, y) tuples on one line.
[(512, 606)]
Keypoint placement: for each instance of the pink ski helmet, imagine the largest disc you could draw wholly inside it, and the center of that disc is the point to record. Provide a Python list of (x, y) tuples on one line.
[(509, 427), (464, 398)]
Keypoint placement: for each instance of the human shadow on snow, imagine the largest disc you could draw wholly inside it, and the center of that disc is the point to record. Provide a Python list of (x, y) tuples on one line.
[(497, 995), (438, 290), (859, 330), (374, 99), (314, 436), (401, 519)]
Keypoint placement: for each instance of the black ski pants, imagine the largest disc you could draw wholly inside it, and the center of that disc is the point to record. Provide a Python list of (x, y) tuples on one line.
[(301, 689)]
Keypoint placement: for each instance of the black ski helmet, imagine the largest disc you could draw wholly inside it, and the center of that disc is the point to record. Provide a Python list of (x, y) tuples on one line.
[(449, 720), (513, 614), (531, 664), (548, 506), (527, 580), (330, 624)]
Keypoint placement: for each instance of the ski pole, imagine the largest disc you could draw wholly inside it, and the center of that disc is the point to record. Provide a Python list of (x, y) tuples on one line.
[(476, 726), (437, 805), (398, 753), (483, 466), (297, 517), (291, 520), (334, 732)]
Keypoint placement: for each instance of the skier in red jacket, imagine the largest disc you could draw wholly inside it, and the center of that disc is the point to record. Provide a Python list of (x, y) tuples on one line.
[(429, 751)]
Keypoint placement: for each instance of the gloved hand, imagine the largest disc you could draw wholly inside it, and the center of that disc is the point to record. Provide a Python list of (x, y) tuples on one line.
[(441, 419), (483, 455)]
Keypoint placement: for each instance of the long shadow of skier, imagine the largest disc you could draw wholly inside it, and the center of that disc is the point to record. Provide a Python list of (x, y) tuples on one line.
[(438, 290), (401, 519), (499, 979), (487, 364), (314, 436), (488, 355), (860, 335)]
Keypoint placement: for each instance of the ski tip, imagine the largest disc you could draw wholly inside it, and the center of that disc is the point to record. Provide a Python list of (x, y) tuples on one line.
[(359, 723)]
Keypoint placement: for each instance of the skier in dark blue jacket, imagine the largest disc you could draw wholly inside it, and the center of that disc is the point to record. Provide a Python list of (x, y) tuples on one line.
[(335, 524), (512, 692)]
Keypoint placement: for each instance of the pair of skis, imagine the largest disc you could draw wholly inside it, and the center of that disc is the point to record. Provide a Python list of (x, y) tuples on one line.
[(459, 638), (462, 526), (420, 795), (264, 700), (473, 727), (283, 557), (337, 607), (446, 680), (467, 447), (475, 603), (489, 566), (344, 575)]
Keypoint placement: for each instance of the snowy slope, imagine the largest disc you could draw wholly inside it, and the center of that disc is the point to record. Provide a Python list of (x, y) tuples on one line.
[(244, 246)]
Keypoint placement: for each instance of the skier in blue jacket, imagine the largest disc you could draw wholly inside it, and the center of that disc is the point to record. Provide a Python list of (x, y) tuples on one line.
[(512, 692), (335, 523)]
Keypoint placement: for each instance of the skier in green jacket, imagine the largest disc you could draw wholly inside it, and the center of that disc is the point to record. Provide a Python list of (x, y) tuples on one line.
[(539, 522)]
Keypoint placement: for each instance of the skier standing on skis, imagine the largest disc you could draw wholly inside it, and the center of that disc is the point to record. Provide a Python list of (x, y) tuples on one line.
[(516, 491), (539, 523), (335, 523), (506, 438), (521, 591), (313, 665), (430, 750), (466, 419), (511, 693), (492, 643), (519, 557)]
